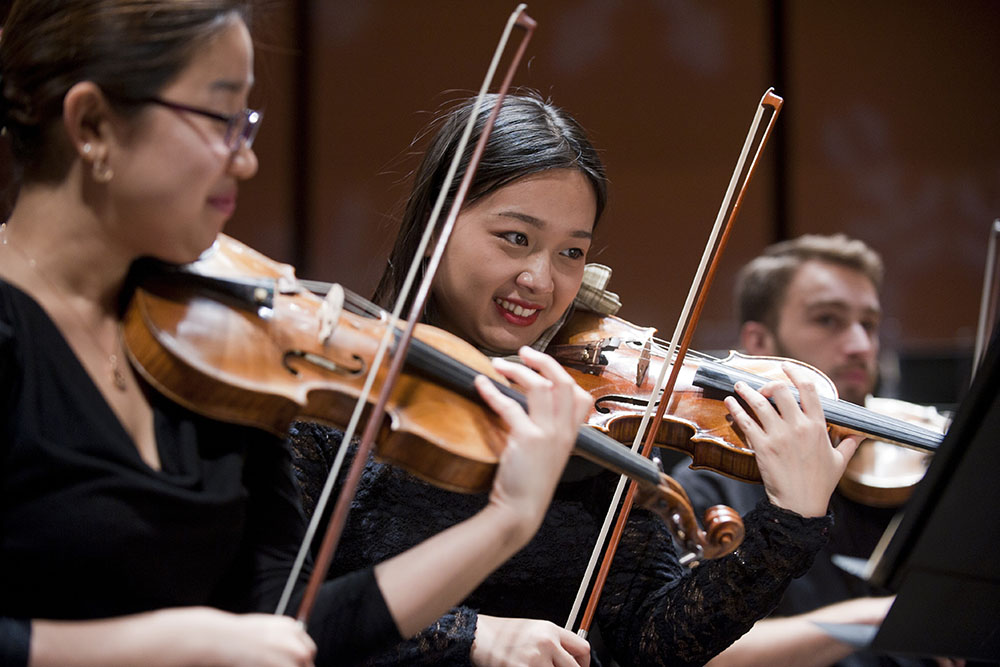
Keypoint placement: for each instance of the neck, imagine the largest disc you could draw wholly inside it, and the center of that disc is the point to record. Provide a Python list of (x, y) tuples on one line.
[(64, 242)]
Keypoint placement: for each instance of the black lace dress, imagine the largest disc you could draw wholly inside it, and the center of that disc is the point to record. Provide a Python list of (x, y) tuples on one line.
[(653, 610)]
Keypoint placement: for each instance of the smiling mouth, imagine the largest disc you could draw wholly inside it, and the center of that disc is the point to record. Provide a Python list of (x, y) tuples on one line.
[(224, 203), (515, 309)]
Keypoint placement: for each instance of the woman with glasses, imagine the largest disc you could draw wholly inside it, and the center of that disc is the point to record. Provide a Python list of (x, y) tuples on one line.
[(133, 531)]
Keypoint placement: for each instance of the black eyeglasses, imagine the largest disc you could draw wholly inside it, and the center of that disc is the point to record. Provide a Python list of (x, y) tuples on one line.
[(241, 127)]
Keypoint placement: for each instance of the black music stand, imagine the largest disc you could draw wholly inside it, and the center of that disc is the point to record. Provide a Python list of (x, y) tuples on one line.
[(943, 558)]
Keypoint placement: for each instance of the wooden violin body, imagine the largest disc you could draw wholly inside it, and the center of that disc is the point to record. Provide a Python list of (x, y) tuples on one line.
[(266, 363), (234, 336), (881, 474), (617, 363)]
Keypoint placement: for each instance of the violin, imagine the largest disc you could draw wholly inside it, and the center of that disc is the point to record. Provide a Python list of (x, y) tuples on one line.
[(616, 361), (236, 337), (881, 474)]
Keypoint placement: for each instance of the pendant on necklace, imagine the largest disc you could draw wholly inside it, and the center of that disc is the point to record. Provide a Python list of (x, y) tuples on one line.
[(117, 375)]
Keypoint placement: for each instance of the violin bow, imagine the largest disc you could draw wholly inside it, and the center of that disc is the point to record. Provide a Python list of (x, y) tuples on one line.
[(988, 303), (760, 131), (338, 518)]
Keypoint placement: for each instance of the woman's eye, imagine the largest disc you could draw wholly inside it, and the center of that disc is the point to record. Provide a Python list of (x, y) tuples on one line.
[(574, 253), (517, 238)]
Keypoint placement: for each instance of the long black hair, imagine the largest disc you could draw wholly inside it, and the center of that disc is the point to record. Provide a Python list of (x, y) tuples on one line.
[(530, 135)]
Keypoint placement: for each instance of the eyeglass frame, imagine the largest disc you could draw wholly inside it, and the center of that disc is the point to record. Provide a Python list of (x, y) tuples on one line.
[(251, 119)]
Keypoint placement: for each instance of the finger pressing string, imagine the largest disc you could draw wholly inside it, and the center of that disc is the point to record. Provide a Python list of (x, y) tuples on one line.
[(522, 375)]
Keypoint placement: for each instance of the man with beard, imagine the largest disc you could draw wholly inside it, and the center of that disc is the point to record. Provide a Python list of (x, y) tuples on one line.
[(815, 299)]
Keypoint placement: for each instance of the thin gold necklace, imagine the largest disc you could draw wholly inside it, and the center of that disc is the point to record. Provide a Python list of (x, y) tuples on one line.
[(116, 374)]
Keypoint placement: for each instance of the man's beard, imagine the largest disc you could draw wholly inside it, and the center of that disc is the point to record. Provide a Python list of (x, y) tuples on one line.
[(851, 397)]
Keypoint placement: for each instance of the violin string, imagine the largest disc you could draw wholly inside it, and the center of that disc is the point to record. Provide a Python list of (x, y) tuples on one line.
[(843, 413), (362, 305), (855, 415), (883, 424)]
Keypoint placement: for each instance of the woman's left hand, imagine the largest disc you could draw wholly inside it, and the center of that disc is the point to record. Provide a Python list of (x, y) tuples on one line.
[(798, 464)]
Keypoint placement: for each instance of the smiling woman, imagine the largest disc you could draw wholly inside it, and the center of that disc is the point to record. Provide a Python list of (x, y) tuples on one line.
[(515, 260), (135, 531), (531, 138), (508, 278)]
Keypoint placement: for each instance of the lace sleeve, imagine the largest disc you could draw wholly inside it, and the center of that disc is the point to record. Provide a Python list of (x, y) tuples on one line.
[(653, 612), (449, 639), (313, 449)]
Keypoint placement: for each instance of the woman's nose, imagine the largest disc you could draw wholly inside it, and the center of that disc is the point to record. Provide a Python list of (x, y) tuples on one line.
[(243, 163), (537, 278)]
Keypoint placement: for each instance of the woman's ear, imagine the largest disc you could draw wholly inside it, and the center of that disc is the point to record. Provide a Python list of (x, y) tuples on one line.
[(86, 120)]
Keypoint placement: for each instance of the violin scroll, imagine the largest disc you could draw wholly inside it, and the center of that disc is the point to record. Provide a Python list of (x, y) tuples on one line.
[(723, 530)]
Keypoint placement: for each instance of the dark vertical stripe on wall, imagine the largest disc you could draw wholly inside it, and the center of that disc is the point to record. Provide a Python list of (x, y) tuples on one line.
[(300, 136), (781, 225)]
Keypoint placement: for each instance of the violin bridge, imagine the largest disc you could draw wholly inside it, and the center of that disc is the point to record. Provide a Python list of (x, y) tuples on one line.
[(329, 313), (642, 368)]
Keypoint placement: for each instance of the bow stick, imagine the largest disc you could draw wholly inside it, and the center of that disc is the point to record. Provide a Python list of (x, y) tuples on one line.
[(339, 516), (988, 302), (760, 131)]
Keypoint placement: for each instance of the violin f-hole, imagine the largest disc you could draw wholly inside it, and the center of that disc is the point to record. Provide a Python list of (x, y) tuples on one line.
[(619, 398), (321, 362)]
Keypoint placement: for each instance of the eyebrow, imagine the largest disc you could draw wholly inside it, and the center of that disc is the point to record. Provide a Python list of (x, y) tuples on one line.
[(840, 305), (232, 85), (540, 224)]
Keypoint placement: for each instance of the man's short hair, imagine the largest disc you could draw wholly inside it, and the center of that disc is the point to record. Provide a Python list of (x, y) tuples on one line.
[(762, 283)]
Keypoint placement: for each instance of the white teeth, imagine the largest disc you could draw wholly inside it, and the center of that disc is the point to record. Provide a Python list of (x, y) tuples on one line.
[(516, 309)]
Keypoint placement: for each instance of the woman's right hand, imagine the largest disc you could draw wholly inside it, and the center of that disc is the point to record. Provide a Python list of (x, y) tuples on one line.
[(523, 642), (541, 439), (183, 636)]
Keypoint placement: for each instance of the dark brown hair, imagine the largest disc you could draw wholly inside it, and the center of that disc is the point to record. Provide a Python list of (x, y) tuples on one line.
[(761, 284), (130, 48)]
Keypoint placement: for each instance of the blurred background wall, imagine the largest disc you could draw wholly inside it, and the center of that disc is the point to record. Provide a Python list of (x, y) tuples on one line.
[(889, 133)]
